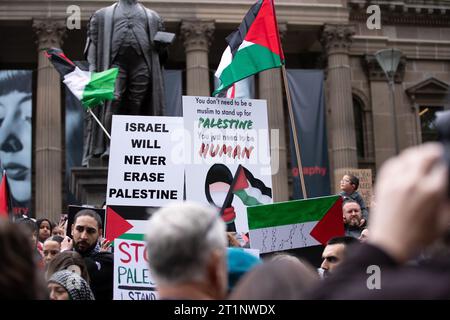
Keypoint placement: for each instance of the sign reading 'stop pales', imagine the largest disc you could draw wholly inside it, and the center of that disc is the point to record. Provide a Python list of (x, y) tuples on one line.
[(227, 155), (142, 171)]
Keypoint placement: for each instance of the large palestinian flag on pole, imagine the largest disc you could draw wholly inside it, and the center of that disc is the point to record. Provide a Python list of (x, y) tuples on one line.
[(91, 88), (255, 46), (295, 224)]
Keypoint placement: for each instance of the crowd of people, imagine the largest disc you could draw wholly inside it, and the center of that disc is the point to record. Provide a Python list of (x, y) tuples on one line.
[(191, 256), (77, 268)]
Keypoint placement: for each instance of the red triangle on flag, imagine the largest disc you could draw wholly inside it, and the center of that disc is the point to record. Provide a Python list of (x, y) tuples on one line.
[(4, 197), (241, 180), (331, 225), (264, 29), (115, 225)]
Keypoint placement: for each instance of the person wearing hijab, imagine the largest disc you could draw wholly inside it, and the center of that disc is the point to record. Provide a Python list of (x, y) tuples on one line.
[(68, 285)]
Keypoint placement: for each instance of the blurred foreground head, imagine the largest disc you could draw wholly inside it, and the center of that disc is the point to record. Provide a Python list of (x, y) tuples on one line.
[(283, 278), (419, 211), (18, 272), (442, 124), (187, 251)]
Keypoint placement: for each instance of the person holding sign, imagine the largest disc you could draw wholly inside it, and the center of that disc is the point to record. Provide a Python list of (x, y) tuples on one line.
[(86, 231)]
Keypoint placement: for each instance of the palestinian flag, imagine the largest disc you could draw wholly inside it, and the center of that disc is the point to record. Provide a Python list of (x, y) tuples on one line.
[(91, 88), (4, 197), (127, 222), (255, 46), (241, 89), (250, 190), (295, 224)]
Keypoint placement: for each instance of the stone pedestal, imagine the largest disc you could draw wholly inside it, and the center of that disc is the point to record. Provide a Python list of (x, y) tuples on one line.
[(197, 37), (89, 184), (48, 152)]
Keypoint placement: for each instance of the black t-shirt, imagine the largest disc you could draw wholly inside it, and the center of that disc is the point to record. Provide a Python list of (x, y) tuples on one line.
[(100, 268)]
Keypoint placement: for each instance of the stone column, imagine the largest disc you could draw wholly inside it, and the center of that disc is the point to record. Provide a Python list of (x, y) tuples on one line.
[(337, 40), (380, 95), (48, 152), (271, 88), (197, 37)]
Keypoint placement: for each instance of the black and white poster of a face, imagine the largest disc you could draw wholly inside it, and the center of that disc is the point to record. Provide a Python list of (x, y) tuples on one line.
[(16, 136)]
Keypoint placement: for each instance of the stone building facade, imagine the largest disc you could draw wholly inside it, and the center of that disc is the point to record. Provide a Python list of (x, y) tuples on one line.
[(317, 34)]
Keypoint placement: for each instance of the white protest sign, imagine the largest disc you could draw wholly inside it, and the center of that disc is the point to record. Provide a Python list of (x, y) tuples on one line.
[(226, 133), (132, 277), (142, 171)]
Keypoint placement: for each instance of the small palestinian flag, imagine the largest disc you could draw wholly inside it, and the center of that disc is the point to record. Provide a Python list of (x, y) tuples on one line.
[(91, 88), (250, 190), (255, 46), (4, 197), (295, 224)]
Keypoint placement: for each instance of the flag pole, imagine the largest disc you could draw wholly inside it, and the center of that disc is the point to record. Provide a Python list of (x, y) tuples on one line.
[(294, 132), (100, 124)]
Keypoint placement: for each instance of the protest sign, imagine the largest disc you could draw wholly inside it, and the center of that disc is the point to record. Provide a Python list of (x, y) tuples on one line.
[(226, 133), (142, 176), (132, 277)]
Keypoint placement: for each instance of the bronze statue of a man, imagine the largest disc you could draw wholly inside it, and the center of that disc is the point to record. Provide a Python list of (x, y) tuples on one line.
[(122, 35)]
